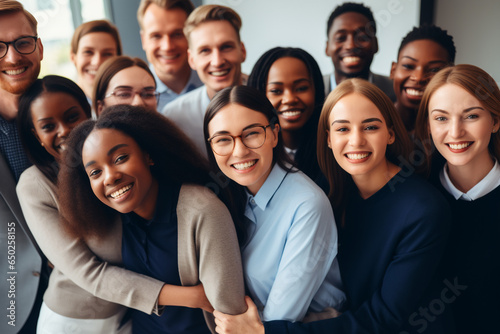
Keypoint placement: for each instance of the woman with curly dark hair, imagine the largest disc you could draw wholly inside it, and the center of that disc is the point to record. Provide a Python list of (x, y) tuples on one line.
[(133, 175)]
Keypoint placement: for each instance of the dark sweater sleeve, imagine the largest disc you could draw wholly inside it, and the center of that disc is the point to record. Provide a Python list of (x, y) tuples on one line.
[(419, 249)]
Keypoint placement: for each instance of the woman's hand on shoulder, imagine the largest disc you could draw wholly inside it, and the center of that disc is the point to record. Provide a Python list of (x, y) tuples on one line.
[(245, 323)]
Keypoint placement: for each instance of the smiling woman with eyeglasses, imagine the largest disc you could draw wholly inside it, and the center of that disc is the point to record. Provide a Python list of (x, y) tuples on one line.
[(124, 80), (290, 246)]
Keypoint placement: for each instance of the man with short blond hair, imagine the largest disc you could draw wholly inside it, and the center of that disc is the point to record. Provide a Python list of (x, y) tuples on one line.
[(163, 40), (216, 53), (21, 287)]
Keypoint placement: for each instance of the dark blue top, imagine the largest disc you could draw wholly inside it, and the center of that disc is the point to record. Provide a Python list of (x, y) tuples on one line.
[(389, 250), (12, 149), (472, 260), (150, 248)]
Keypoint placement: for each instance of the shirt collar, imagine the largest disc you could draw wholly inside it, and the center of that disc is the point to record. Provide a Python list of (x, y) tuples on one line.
[(269, 188), (490, 182), (193, 82)]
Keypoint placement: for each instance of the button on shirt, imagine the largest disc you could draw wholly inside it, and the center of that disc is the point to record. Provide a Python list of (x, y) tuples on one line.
[(150, 248), (12, 149), (167, 95), (489, 183), (289, 259)]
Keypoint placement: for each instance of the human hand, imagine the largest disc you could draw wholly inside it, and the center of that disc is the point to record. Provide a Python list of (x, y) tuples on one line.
[(200, 298), (245, 323)]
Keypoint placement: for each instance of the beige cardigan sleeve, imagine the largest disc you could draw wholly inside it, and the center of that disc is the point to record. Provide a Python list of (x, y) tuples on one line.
[(73, 257), (209, 250)]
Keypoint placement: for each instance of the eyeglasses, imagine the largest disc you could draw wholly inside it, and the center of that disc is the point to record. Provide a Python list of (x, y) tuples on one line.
[(127, 95), (23, 45), (253, 137)]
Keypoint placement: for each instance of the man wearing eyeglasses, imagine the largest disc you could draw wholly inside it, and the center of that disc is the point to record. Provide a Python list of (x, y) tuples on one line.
[(20, 262)]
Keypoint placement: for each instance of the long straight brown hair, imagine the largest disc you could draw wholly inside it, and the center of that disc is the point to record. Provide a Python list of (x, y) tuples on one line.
[(341, 184)]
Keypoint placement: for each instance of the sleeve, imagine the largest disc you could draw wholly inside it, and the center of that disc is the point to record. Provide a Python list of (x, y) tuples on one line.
[(215, 254), (308, 255), (74, 259), (407, 277)]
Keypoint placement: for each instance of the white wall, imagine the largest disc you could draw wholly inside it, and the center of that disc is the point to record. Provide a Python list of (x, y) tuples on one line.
[(475, 27), (300, 23)]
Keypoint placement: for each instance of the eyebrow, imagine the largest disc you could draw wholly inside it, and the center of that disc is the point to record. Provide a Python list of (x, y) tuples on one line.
[(50, 118), (295, 82), (131, 88), (431, 62), (224, 132), (466, 110), (111, 151), (368, 120)]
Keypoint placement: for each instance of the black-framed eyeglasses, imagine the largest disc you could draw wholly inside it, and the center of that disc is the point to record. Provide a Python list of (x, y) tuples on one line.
[(254, 137), (126, 95), (24, 45)]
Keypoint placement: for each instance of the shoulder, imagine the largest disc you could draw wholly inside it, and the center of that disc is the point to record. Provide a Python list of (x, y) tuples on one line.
[(196, 200), (385, 84), (31, 179), (189, 99)]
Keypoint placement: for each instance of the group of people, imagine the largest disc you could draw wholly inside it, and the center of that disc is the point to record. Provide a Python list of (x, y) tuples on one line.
[(184, 196)]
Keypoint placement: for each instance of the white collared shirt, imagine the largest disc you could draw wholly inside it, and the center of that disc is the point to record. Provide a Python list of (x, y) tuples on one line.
[(489, 183)]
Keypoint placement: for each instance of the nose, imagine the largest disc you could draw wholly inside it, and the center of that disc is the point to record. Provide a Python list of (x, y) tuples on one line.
[(166, 43), (356, 138), (456, 129), (349, 42), (137, 100), (418, 75), (288, 96), (111, 176), (63, 130), (97, 59), (216, 59), (12, 55), (239, 150)]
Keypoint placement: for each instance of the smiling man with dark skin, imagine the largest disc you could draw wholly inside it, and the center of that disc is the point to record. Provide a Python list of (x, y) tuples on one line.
[(352, 43)]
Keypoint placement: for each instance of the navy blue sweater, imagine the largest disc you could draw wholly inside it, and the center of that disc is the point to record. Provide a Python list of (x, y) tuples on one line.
[(389, 252)]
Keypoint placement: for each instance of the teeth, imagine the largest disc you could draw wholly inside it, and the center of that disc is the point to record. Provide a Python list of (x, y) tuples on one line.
[(291, 113), (169, 57), (15, 72), (120, 192), (244, 165), (357, 156), (220, 73), (351, 59), (414, 92), (459, 146), (92, 72), (62, 147)]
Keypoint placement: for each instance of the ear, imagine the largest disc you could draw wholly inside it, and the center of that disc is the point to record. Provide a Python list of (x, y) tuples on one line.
[(276, 131), (327, 52), (375, 44), (36, 136), (496, 124), (393, 70), (243, 52), (40, 47), (141, 33), (392, 137), (191, 60), (100, 107), (328, 142)]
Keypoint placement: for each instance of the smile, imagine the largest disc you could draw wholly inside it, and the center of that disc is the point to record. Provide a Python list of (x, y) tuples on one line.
[(220, 73), (459, 146), (357, 156), (16, 72), (244, 165), (414, 92), (120, 192), (291, 113), (351, 60)]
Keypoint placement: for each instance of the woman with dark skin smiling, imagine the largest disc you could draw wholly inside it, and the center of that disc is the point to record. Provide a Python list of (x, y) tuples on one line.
[(393, 225), (293, 83), (460, 115), (423, 52), (83, 291), (134, 175)]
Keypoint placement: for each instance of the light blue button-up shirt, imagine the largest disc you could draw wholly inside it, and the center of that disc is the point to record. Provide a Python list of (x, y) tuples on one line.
[(167, 95), (289, 259)]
